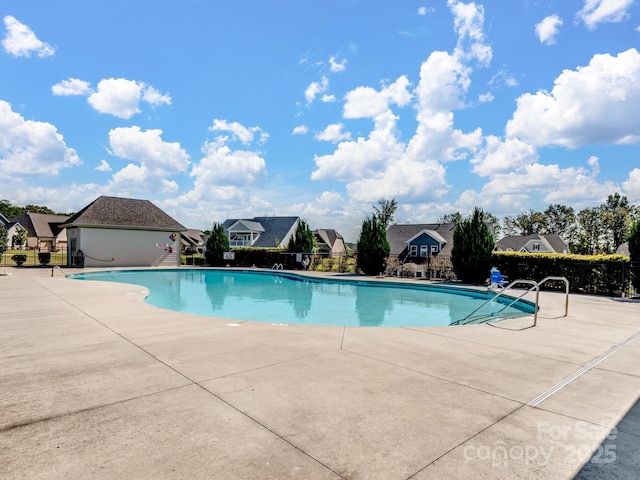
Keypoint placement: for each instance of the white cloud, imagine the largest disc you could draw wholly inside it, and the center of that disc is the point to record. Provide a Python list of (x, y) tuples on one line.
[(382, 165), (31, 148), (406, 179), (367, 102), (153, 96), (499, 157), (20, 41), (595, 104), (336, 67), (328, 98), (576, 186), (603, 11), (239, 131), (104, 166), (631, 186), (486, 97), (362, 157), (547, 29), (148, 149), (316, 88), (121, 97), (422, 10), (71, 86), (222, 166), (333, 133), (469, 25), (300, 130), (503, 79)]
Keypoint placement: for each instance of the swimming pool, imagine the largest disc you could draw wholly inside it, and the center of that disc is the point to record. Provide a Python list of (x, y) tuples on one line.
[(282, 297)]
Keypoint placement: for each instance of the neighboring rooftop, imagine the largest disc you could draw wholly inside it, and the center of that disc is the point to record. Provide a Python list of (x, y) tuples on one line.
[(116, 212), (399, 234), (41, 225)]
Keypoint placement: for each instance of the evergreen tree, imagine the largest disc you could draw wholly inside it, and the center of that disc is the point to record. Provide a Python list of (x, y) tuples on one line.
[(217, 244), (4, 240), (472, 247), (634, 253), (302, 240), (373, 247)]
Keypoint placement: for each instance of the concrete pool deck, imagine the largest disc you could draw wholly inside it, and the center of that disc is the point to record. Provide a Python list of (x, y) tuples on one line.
[(95, 383)]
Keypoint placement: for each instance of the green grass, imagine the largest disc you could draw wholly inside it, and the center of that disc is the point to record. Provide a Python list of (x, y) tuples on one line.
[(57, 258)]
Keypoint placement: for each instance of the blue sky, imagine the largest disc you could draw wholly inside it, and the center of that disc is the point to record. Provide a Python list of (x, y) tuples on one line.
[(220, 109)]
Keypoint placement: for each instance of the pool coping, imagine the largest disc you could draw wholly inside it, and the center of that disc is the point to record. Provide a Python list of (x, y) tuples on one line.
[(102, 384)]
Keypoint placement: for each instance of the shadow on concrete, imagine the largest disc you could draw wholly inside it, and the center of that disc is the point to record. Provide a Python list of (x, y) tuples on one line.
[(618, 456)]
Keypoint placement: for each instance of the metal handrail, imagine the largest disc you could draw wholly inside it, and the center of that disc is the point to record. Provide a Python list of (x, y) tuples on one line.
[(535, 285), (566, 293), (499, 294), (53, 267), (277, 266)]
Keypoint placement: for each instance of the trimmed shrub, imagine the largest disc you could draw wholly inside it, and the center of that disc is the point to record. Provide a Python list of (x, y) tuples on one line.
[(44, 258), (19, 259), (592, 274)]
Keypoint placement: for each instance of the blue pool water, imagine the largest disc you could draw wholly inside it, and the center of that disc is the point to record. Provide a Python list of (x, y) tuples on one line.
[(289, 298)]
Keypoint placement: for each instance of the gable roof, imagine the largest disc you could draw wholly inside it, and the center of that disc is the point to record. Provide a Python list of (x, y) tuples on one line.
[(193, 237), (41, 225), (623, 249), (124, 213), (327, 236), (274, 229), (3, 220), (432, 233), (398, 235), (517, 242), (243, 225)]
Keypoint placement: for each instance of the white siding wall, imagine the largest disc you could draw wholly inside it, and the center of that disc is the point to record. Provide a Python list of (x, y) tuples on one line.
[(127, 248)]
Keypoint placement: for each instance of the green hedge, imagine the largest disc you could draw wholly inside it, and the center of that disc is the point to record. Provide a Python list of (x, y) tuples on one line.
[(592, 274)]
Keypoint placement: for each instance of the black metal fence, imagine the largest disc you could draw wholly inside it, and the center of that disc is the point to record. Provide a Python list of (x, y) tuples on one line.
[(33, 258)]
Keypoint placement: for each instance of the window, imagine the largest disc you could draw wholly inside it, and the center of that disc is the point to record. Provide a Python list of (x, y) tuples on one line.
[(434, 249), (536, 246), (413, 251), (423, 250)]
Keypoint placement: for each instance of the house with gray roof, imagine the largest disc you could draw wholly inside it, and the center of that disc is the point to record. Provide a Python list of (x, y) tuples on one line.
[(535, 243), (260, 232), (623, 249), (114, 231), (417, 242), (330, 242), (44, 231)]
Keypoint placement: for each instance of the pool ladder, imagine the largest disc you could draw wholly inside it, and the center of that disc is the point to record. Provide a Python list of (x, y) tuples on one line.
[(277, 266), (53, 268), (534, 285)]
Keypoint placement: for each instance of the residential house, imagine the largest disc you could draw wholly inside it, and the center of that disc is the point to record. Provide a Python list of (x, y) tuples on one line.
[(12, 229), (193, 241), (535, 243), (417, 242), (44, 231), (260, 232), (330, 242), (113, 231), (623, 249)]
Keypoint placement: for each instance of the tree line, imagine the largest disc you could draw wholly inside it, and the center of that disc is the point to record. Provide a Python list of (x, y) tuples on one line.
[(590, 231)]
